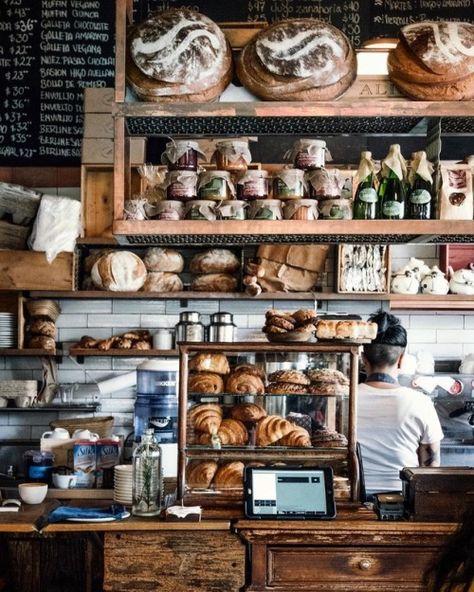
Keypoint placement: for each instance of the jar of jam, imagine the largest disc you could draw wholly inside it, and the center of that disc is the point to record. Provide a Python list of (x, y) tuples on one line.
[(309, 154), (233, 209), (182, 155), (181, 185), (200, 209), (216, 185), (325, 184), (253, 185), (289, 184), (336, 209), (170, 210), (232, 155), (266, 209), (301, 209)]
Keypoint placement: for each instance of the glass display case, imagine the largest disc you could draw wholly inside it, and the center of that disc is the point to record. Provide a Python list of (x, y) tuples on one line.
[(261, 404)]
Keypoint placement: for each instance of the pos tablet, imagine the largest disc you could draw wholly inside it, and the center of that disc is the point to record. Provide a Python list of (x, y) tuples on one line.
[(289, 493)]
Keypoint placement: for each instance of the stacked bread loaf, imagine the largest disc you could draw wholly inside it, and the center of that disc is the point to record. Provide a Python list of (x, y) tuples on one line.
[(163, 267), (213, 271), (41, 327), (299, 323), (434, 61)]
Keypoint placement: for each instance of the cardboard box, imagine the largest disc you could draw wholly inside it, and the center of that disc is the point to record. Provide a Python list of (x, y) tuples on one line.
[(98, 100), (101, 151)]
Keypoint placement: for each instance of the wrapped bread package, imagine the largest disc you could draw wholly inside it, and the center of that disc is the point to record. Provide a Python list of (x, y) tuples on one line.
[(456, 200)]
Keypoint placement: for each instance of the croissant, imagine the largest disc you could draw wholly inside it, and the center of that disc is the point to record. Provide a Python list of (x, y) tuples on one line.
[(231, 432), (87, 342), (247, 412), (205, 382), (251, 369), (272, 428), (201, 474), (243, 383), (206, 417), (297, 438), (229, 475), (210, 362)]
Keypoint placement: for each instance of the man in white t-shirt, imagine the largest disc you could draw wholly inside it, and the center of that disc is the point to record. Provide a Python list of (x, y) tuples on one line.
[(397, 426)]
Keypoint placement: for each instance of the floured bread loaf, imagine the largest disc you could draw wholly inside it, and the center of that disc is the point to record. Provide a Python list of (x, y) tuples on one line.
[(119, 271), (178, 55), (298, 60), (434, 61)]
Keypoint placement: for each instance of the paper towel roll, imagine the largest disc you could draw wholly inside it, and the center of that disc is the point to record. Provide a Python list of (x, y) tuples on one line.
[(118, 383)]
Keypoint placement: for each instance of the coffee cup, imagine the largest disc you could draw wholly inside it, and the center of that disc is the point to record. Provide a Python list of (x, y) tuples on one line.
[(33, 493), (64, 481), (84, 435), (57, 433)]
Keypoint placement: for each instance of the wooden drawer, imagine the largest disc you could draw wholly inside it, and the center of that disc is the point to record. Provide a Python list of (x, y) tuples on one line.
[(346, 568)]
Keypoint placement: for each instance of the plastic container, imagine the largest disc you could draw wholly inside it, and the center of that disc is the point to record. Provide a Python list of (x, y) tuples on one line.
[(158, 413), (158, 378), (38, 466)]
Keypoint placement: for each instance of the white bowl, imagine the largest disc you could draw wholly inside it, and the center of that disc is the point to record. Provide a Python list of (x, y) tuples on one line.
[(32, 493)]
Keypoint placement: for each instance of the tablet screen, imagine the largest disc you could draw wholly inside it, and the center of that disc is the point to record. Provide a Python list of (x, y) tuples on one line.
[(302, 493)]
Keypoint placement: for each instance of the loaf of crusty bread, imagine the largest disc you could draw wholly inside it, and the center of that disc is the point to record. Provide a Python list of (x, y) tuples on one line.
[(159, 259), (214, 282), (214, 261), (298, 60), (119, 271), (162, 281)]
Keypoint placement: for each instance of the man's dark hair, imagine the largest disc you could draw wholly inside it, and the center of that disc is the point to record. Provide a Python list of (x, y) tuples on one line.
[(390, 342)]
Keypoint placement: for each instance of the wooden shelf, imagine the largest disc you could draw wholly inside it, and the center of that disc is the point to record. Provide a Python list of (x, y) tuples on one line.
[(93, 407), (27, 352), (130, 353), (431, 302)]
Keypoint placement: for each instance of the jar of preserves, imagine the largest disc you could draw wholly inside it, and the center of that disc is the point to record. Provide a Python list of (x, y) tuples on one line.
[(289, 184), (309, 154), (169, 210), (325, 183), (335, 209), (253, 184), (181, 185), (216, 185), (182, 155), (301, 209), (266, 209), (232, 155), (200, 209), (233, 209)]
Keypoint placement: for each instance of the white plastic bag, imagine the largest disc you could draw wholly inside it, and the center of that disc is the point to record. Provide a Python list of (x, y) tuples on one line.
[(57, 225)]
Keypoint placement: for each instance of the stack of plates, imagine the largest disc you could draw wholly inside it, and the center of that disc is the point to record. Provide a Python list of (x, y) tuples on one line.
[(7, 329), (123, 484)]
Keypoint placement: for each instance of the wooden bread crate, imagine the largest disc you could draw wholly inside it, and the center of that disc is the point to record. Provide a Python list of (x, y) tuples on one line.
[(455, 256), (340, 270), (13, 236), (30, 270)]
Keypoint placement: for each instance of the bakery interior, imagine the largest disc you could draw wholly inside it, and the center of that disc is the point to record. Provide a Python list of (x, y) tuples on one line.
[(187, 272)]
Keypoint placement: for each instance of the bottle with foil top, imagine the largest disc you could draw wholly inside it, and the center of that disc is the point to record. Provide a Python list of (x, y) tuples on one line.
[(420, 195), (289, 184), (309, 154), (182, 155), (391, 191), (366, 199), (253, 184), (181, 185), (147, 480), (216, 185), (232, 155)]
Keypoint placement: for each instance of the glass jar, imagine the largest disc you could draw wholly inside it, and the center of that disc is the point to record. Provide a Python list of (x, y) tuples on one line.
[(335, 209), (253, 185), (309, 154), (301, 209), (233, 209), (266, 209), (200, 209), (215, 185), (147, 482), (38, 465), (190, 327), (232, 155), (325, 184), (181, 155), (169, 210), (181, 185), (289, 184)]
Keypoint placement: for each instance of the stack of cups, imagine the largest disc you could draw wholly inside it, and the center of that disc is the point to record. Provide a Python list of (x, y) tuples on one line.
[(123, 475)]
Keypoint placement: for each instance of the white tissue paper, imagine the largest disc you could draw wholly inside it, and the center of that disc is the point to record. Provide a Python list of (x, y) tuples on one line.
[(467, 365), (57, 225)]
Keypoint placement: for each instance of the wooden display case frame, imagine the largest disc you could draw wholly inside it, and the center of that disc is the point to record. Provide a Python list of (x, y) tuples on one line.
[(234, 498)]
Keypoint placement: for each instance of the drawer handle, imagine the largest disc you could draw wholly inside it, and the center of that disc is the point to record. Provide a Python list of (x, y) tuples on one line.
[(365, 564)]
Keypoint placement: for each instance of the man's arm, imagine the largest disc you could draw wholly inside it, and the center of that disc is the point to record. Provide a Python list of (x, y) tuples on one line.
[(429, 455)]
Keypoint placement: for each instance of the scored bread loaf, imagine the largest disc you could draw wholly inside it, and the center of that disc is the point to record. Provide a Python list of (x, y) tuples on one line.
[(298, 60), (40, 326), (271, 429), (162, 281), (119, 271), (206, 382), (206, 417), (201, 474), (159, 259), (214, 282), (210, 362), (229, 476), (214, 261)]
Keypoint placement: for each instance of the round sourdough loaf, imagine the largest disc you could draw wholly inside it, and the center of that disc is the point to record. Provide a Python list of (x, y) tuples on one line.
[(119, 271), (178, 55), (299, 59)]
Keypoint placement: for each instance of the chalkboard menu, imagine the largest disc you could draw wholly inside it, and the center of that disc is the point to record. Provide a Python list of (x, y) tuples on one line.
[(50, 50)]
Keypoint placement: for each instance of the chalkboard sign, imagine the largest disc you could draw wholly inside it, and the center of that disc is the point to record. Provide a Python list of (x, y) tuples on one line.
[(50, 50)]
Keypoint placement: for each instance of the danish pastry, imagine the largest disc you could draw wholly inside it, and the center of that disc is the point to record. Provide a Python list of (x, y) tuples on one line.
[(206, 382), (286, 388)]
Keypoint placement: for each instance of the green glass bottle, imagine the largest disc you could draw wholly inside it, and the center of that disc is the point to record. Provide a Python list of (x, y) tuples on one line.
[(366, 199), (420, 203), (391, 191)]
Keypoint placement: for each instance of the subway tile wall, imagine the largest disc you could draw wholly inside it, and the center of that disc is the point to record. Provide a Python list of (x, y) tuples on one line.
[(447, 334)]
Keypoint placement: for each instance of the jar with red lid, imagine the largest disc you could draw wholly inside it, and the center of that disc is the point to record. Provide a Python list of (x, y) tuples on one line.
[(289, 184), (181, 185), (253, 184), (232, 155), (309, 154), (182, 155)]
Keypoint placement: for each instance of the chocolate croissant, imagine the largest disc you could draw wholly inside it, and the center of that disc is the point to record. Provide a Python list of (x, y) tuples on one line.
[(205, 382), (231, 432), (206, 417), (243, 383), (229, 475), (201, 474), (248, 412), (271, 429), (297, 438)]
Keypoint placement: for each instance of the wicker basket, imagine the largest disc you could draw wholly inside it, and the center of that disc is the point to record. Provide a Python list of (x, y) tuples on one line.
[(102, 426), (43, 308)]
